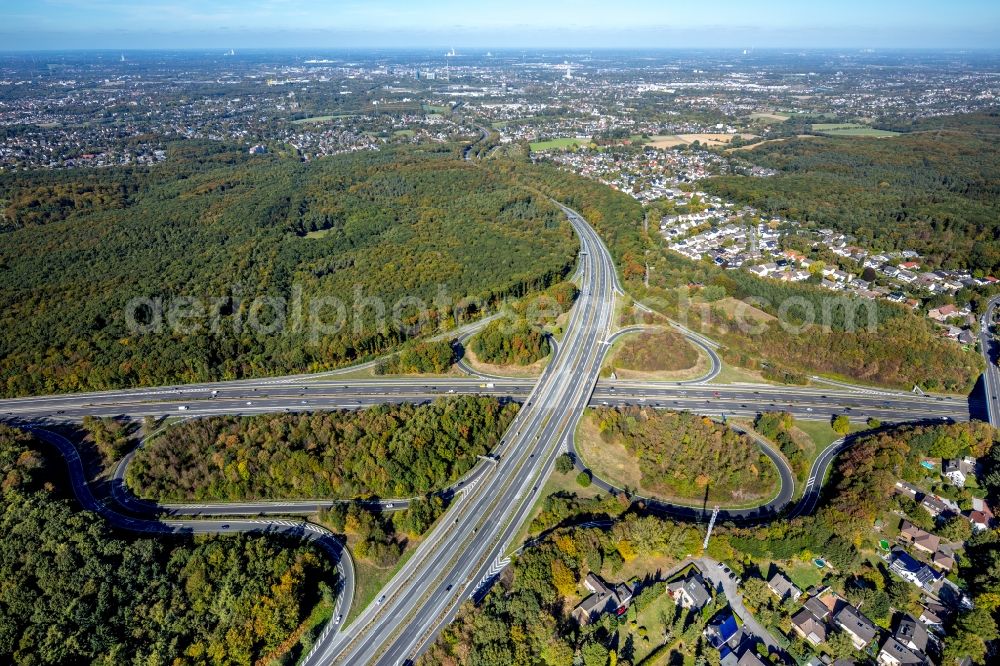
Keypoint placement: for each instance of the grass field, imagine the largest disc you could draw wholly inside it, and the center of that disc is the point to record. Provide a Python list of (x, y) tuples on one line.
[(435, 108), (733, 375), (671, 140), (803, 573), (851, 129), (369, 579), (820, 432), (776, 117), (557, 144), (319, 233), (322, 119)]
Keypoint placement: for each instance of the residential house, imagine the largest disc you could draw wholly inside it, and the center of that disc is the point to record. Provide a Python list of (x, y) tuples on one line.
[(931, 617), (935, 506), (907, 646), (723, 631), (943, 561), (907, 489), (920, 539), (690, 592), (809, 627), (823, 602), (958, 470), (911, 633), (981, 515), (894, 653), (605, 599), (979, 520), (861, 630), (749, 658), (784, 588), (918, 573), (943, 313)]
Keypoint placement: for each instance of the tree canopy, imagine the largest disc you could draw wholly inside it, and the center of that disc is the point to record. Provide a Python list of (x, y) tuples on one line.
[(78, 592), (385, 451)]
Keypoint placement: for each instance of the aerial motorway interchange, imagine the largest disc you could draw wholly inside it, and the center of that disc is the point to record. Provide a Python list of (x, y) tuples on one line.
[(471, 542)]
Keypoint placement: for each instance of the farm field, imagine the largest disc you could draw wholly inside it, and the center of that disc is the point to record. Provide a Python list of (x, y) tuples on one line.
[(710, 139)]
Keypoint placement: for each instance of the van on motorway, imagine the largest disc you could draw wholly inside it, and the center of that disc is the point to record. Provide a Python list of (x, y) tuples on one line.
[(182, 408)]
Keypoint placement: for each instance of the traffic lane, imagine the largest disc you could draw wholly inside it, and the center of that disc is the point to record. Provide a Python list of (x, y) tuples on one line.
[(429, 386), (762, 399), (553, 393), (570, 405), (180, 397), (454, 535)]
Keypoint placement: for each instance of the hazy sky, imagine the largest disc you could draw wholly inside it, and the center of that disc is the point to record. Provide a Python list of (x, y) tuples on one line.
[(45, 24)]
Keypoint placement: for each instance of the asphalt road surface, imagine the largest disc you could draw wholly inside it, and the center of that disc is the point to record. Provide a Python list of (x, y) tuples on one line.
[(991, 353), (326, 540), (484, 518), (491, 503), (699, 511)]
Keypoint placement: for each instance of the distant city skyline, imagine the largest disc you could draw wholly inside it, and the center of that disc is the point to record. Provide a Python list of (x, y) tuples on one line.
[(117, 24)]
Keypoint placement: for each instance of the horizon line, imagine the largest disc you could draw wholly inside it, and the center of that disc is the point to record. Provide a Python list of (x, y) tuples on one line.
[(484, 49)]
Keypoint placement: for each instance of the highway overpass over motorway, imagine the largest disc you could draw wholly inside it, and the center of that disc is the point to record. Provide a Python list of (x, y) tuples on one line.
[(489, 505)]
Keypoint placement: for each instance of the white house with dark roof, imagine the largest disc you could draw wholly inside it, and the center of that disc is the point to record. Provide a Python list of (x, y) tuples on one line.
[(852, 621), (783, 587), (690, 591)]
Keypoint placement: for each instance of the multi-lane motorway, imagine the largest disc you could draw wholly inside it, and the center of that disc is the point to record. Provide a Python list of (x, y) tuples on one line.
[(489, 505), (484, 518), (304, 395), (991, 353)]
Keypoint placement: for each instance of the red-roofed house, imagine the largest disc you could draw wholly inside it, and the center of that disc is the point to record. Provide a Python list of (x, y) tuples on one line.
[(943, 313)]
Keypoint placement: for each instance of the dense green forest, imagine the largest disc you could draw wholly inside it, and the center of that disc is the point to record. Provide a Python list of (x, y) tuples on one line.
[(507, 342), (77, 592), (356, 254), (778, 428), (935, 190), (901, 349), (419, 357), (684, 455), (384, 451)]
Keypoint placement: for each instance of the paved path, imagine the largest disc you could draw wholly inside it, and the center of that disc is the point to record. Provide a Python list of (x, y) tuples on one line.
[(712, 570)]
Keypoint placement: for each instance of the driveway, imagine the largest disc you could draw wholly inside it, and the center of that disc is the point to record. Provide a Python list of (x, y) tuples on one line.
[(712, 570)]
